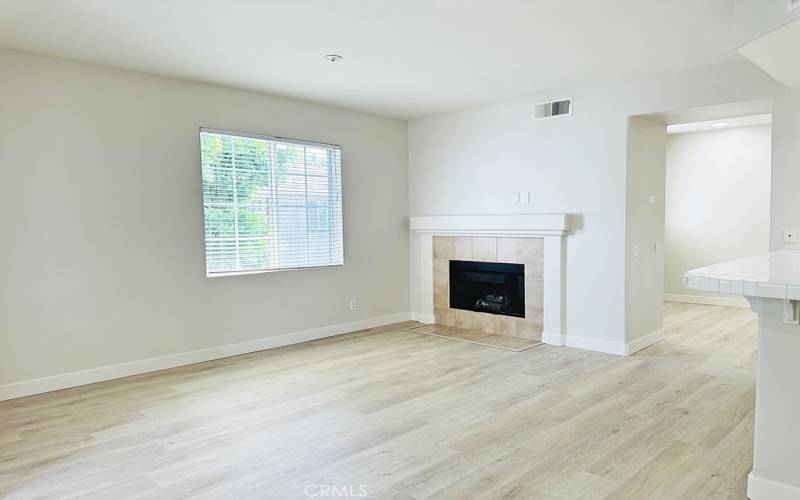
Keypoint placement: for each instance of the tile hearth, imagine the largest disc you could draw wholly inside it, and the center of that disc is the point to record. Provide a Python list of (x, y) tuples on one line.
[(515, 344)]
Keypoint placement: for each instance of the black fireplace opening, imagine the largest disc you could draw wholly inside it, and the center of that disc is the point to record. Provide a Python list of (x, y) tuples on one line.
[(489, 287)]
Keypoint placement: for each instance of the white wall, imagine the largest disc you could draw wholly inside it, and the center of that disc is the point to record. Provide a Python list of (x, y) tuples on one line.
[(785, 202), (102, 222), (717, 199), (644, 272), (471, 161)]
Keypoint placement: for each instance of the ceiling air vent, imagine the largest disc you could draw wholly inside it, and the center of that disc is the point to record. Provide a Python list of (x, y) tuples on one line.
[(552, 109), (792, 4)]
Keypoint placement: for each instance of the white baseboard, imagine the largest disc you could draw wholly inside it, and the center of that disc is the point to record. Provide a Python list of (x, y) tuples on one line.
[(74, 379), (597, 345), (557, 339), (606, 346), (423, 318), (645, 341), (759, 488), (731, 301)]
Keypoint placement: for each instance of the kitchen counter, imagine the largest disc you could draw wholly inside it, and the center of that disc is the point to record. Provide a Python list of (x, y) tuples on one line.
[(773, 275), (771, 283)]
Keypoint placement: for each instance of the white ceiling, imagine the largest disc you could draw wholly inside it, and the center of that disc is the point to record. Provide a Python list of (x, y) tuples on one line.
[(402, 58)]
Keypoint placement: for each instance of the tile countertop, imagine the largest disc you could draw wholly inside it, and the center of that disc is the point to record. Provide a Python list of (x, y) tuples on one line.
[(774, 275)]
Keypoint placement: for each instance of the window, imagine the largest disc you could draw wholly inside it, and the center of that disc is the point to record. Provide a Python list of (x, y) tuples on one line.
[(270, 203)]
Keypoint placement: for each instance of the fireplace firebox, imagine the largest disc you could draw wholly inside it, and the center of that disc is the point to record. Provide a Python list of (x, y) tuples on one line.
[(489, 287)]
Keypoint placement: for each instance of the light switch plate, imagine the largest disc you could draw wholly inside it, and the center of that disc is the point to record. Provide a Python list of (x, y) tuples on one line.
[(651, 199), (525, 197), (635, 250), (515, 197)]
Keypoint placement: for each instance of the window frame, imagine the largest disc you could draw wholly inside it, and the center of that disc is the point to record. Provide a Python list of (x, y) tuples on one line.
[(274, 138)]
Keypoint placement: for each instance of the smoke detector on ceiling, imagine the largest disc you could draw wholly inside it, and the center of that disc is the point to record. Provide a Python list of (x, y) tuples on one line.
[(332, 57)]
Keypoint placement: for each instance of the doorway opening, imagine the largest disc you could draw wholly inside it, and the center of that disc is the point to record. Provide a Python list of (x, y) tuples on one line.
[(698, 192)]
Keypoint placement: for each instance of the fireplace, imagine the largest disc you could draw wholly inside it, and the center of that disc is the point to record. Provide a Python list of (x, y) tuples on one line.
[(488, 287), (535, 241)]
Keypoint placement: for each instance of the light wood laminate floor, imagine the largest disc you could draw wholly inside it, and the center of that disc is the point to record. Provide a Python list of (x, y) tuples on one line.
[(406, 416)]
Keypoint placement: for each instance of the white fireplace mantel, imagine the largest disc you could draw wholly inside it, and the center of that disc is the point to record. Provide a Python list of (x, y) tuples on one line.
[(517, 224), (552, 227)]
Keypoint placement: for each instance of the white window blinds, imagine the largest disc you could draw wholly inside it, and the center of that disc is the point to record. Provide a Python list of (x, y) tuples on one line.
[(270, 203)]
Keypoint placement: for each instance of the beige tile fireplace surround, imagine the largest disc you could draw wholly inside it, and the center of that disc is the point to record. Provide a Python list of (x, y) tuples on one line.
[(526, 251), (537, 241)]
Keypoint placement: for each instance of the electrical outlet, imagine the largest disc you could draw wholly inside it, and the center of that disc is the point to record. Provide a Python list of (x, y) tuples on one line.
[(790, 235), (651, 199), (657, 247), (353, 304)]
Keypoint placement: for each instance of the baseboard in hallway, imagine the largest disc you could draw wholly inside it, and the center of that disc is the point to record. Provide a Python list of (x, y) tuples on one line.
[(729, 301)]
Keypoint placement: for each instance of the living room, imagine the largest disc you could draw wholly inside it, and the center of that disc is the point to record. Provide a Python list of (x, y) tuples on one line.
[(388, 250)]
